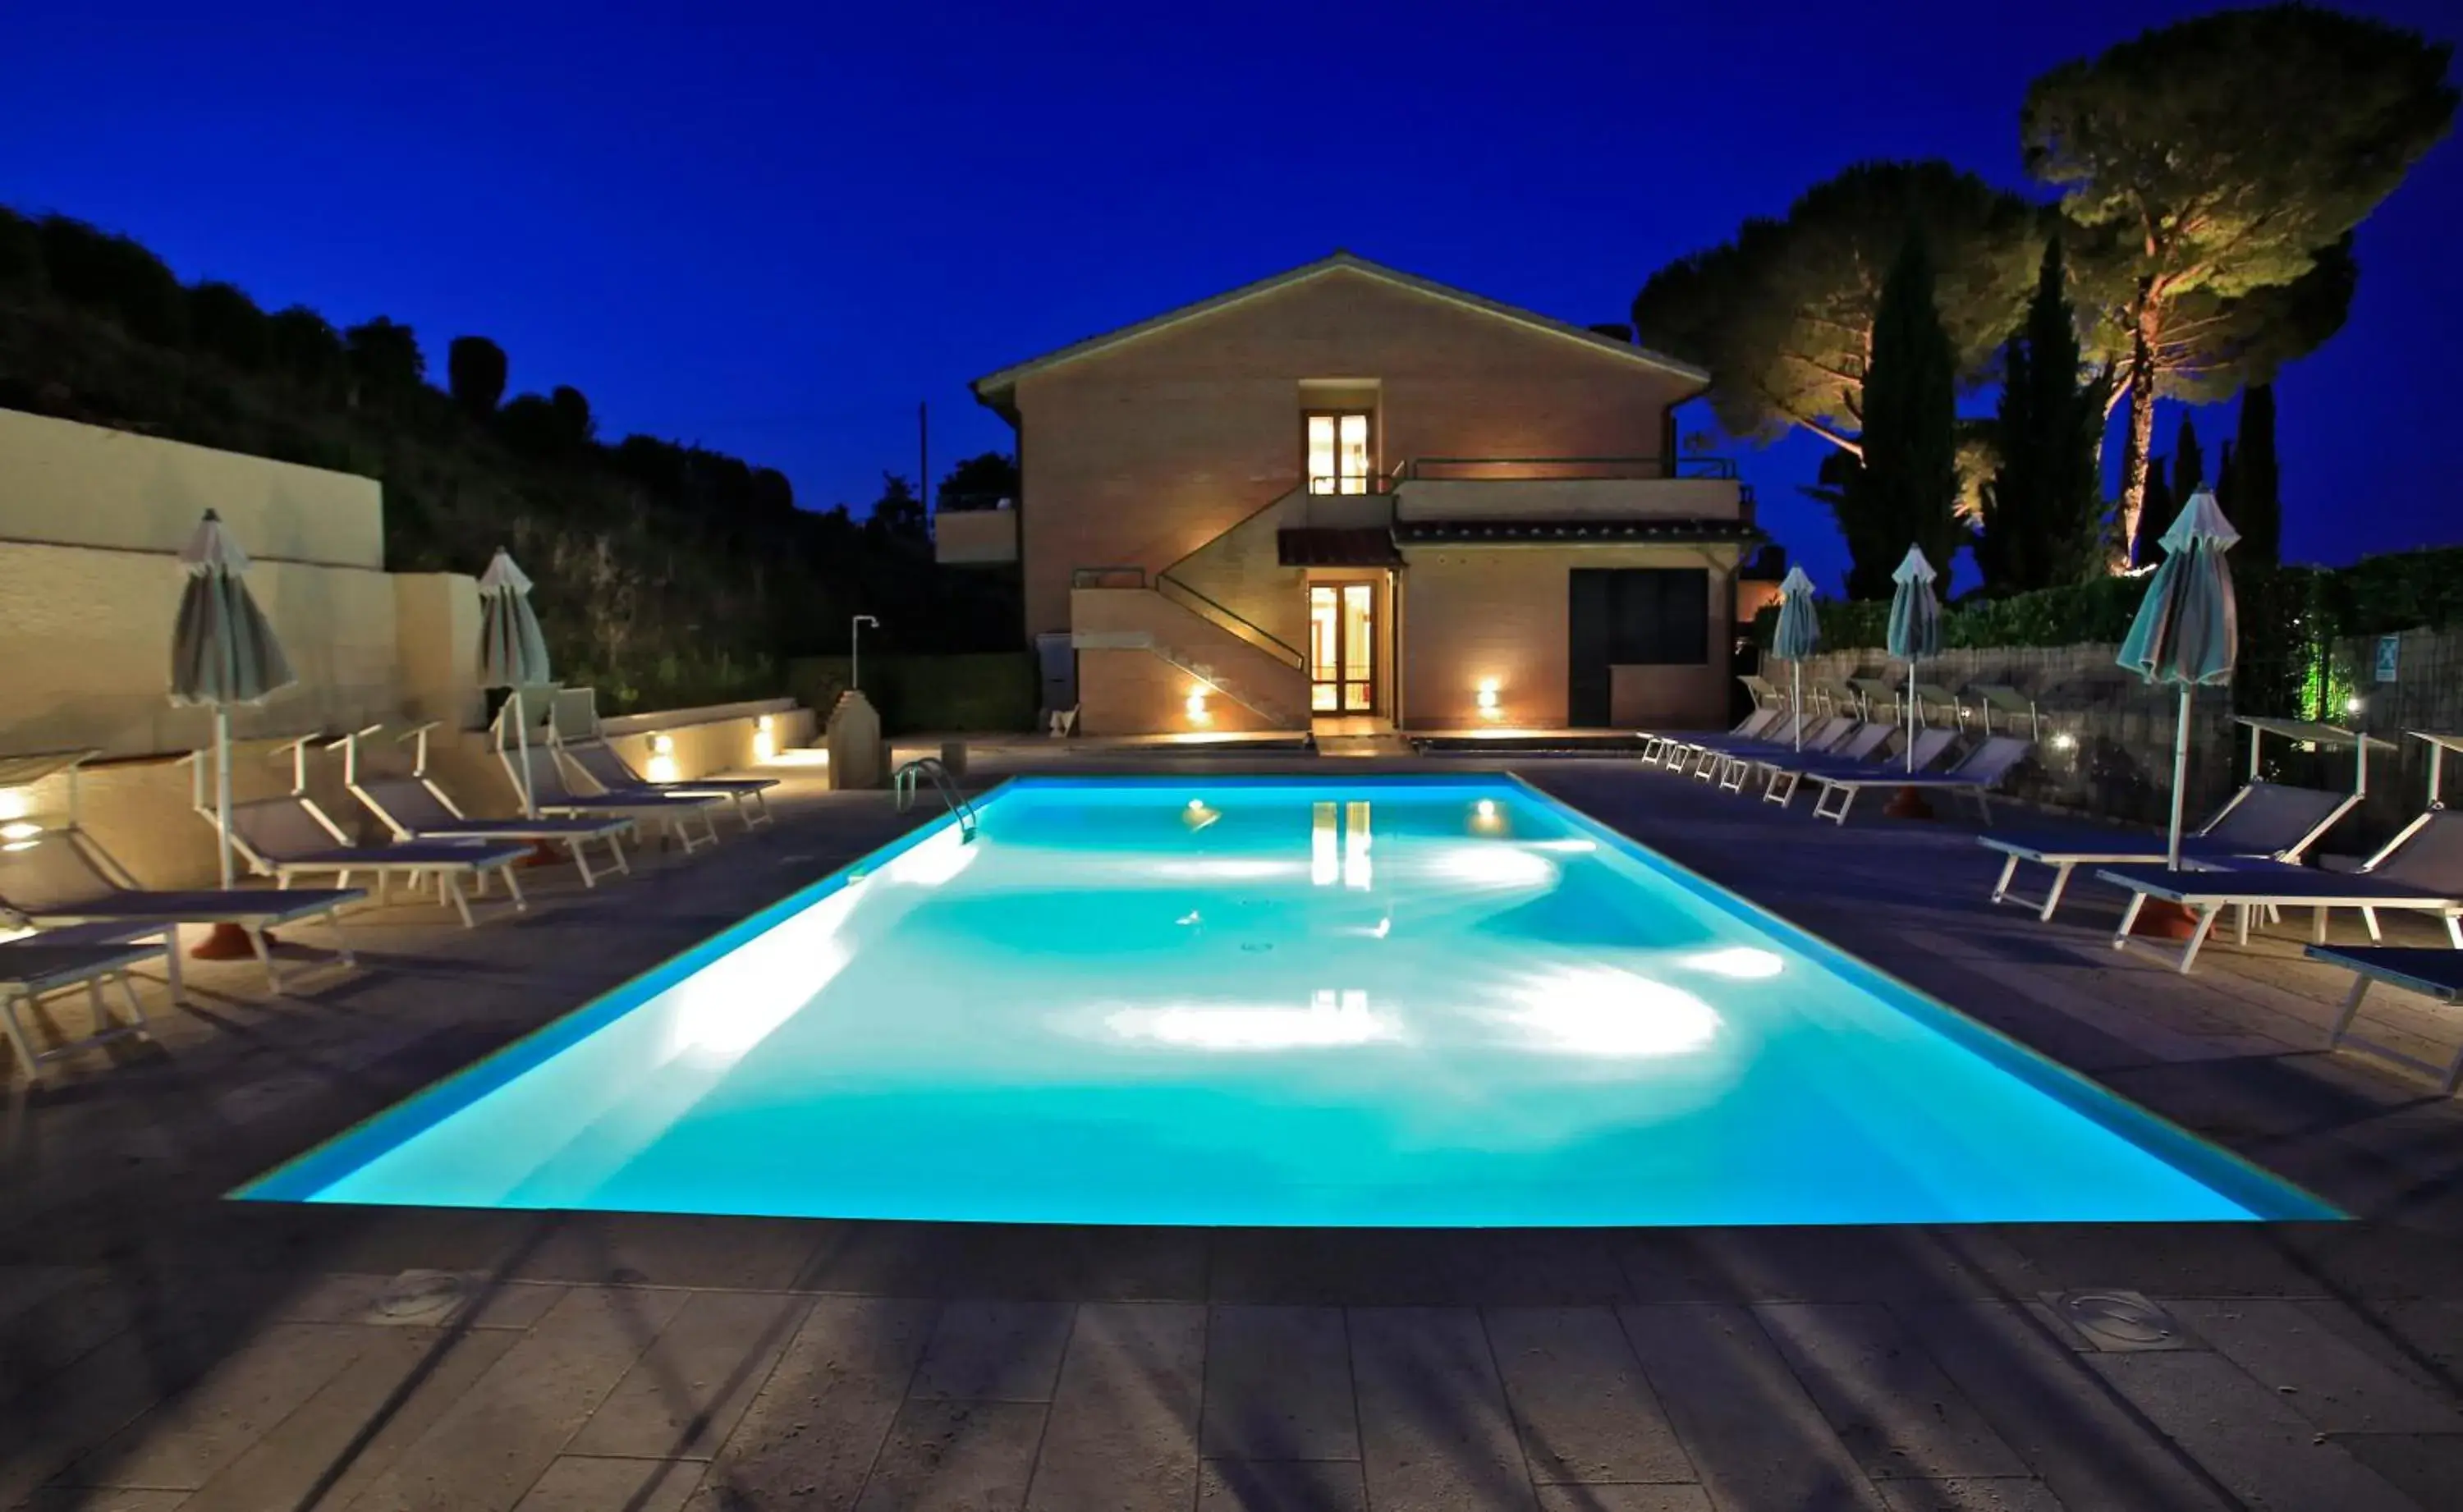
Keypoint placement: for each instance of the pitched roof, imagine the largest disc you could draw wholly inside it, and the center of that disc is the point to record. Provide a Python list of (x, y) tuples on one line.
[(995, 388)]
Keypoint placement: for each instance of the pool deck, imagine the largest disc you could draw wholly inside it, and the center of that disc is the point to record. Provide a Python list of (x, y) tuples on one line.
[(160, 1349)]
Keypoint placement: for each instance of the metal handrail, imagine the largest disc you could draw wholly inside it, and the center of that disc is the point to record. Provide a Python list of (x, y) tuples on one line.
[(1721, 468), (1239, 627), (904, 782)]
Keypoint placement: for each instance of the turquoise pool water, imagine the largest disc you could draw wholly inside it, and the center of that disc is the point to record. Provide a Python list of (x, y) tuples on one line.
[(1265, 1001)]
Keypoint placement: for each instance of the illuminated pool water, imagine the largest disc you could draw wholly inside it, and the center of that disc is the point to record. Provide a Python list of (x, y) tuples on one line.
[(1266, 1002)]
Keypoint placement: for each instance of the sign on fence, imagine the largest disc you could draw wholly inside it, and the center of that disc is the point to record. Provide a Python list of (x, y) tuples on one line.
[(2387, 647)]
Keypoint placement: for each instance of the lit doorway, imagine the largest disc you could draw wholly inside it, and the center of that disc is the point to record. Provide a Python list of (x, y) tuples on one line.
[(1343, 648)]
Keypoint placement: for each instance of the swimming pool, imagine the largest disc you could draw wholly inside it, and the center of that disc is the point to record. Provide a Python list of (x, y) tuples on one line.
[(1381, 1002)]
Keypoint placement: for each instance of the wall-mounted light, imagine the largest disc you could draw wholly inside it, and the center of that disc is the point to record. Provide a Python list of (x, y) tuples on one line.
[(765, 739), (1196, 704), (1486, 699), (662, 758), (2063, 741), (2354, 704)]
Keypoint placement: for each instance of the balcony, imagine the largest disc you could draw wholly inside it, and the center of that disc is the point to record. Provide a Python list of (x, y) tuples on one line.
[(974, 537), (1632, 492)]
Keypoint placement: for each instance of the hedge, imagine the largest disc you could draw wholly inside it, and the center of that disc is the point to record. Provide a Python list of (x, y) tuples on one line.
[(2291, 619), (1000, 690)]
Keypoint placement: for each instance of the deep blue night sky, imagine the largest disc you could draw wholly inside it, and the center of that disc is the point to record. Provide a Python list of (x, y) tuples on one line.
[(772, 228)]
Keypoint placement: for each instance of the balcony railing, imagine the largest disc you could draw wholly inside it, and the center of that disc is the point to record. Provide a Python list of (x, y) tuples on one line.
[(1529, 469)]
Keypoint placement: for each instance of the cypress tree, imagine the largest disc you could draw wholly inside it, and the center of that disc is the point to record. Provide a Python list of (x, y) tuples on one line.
[(2259, 507), (1903, 490), (2228, 497), (2188, 464), (2043, 504), (2154, 516)]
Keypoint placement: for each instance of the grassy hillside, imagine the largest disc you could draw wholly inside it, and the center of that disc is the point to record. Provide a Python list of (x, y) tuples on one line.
[(667, 574)]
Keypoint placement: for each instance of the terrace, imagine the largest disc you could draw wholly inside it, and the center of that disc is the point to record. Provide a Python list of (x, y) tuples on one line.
[(165, 1348)]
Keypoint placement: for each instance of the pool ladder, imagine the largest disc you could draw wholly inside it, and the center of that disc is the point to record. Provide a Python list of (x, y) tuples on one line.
[(910, 777)]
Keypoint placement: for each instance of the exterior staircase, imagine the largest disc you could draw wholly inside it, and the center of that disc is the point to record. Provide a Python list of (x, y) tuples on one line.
[(1249, 670)]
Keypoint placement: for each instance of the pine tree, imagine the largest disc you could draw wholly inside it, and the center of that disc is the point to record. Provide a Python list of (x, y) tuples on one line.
[(2044, 502), (2258, 508), (2188, 464), (1904, 489)]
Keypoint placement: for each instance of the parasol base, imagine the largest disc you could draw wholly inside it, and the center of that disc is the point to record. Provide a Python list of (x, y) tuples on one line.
[(542, 853), (227, 941), (1908, 803), (2161, 919)]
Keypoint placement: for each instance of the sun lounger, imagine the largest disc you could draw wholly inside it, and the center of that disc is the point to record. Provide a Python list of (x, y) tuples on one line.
[(2205, 892), (602, 767), (1864, 745), (2263, 820), (1658, 745), (34, 966), (60, 878), (2431, 972), (1930, 746), (1974, 778), (1682, 750), (1731, 766), (289, 838), (677, 812), (413, 807)]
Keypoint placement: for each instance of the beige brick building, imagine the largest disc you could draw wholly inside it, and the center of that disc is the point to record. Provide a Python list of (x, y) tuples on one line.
[(1347, 493)]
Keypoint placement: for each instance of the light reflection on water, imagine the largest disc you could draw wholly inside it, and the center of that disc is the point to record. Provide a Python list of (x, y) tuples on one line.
[(1273, 1004)]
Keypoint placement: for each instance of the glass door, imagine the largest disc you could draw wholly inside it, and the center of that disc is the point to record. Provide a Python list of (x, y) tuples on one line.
[(1343, 648)]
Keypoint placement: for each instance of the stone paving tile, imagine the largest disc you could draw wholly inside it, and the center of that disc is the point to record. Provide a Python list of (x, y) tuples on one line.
[(2088, 1446), (1754, 1435), (2426, 1467), (1585, 1410), (995, 1351), (1281, 1485), (1337, 1267), (1625, 1499), (2326, 1378), (669, 1249), (2193, 1260), (682, 1396), (1123, 1434), (1890, 1404), (1012, 1263), (109, 1499), (1435, 1429), (1279, 1384), (1970, 1495), (576, 1483), (355, 1299), (955, 1457), (189, 1437), (169, 1333), (2244, 1434), (342, 1440), (488, 1448), (811, 1435)]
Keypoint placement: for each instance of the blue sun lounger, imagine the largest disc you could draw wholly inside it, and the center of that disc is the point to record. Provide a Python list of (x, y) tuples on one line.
[(2431, 972)]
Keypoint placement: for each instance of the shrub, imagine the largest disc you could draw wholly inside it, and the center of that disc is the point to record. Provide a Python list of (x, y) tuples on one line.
[(225, 321)]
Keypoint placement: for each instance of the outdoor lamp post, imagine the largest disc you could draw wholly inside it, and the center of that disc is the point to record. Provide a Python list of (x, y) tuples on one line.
[(855, 650)]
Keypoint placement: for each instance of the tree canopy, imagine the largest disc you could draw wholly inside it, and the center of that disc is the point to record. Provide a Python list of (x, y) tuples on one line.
[(982, 482), (475, 371), (2216, 166), (1783, 315)]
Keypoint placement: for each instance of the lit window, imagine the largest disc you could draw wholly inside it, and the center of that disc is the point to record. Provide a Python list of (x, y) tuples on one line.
[(1337, 452)]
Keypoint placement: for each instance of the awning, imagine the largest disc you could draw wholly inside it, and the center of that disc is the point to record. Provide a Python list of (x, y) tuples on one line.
[(1367, 546), (1569, 532)]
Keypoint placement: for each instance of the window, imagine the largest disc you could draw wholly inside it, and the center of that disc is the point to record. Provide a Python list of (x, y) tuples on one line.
[(1338, 451)]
